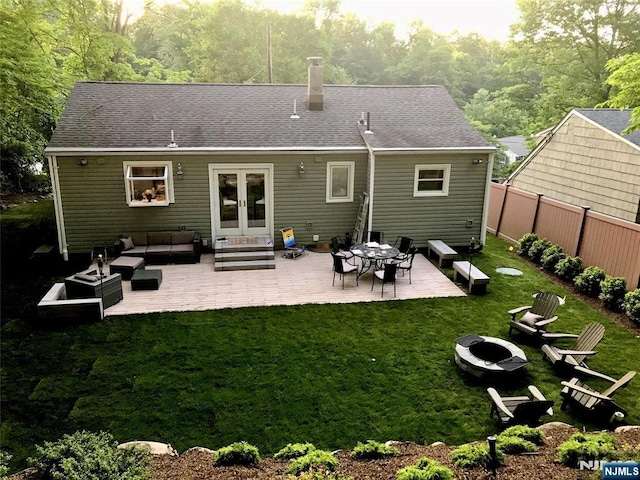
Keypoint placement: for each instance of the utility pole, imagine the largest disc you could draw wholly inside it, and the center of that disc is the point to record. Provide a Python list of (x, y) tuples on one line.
[(269, 55)]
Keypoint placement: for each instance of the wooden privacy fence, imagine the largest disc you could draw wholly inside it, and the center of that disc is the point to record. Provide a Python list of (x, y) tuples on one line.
[(600, 240)]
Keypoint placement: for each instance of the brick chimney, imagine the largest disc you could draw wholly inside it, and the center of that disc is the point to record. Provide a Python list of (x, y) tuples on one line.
[(314, 91)]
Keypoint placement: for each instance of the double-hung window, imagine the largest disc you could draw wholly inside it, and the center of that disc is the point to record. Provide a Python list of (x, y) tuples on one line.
[(340, 181), (431, 180), (148, 183)]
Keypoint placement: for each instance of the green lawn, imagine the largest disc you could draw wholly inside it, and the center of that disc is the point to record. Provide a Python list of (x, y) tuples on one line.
[(327, 374)]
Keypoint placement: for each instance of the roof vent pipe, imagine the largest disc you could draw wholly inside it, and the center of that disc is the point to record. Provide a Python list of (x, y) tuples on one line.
[(368, 130), (362, 120), (295, 110)]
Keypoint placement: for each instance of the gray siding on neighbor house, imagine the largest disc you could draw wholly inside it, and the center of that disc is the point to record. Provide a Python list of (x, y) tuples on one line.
[(584, 164), (96, 211), (397, 212)]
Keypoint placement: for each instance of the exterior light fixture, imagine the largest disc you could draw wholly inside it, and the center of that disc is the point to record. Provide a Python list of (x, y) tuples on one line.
[(180, 171), (301, 168), (476, 161), (83, 162)]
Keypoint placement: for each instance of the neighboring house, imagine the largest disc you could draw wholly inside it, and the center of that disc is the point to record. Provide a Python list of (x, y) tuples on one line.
[(515, 147), (247, 160), (585, 160)]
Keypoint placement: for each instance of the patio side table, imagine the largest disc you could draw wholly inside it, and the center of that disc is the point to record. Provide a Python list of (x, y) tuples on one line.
[(146, 279)]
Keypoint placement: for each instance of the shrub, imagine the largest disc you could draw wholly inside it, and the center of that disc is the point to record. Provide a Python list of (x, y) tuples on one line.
[(537, 248), (514, 445), (5, 458), (320, 474), (469, 456), (585, 447), (87, 455), (294, 450), (530, 434), (551, 256), (315, 458), (632, 305), (525, 243), (239, 453), (588, 282), (426, 469), (612, 292), (568, 268), (373, 449)]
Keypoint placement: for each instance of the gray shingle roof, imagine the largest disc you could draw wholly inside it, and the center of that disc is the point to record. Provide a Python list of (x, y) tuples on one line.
[(106, 115), (612, 119)]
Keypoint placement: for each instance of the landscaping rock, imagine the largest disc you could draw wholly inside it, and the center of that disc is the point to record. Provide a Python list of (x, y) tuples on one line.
[(627, 428), (154, 448), (199, 449)]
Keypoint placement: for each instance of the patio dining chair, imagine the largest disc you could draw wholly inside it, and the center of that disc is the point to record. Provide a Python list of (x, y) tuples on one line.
[(338, 247), (407, 262), (374, 236), (598, 405), (536, 317), (582, 348), (386, 274), (521, 409), (342, 267), (403, 244)]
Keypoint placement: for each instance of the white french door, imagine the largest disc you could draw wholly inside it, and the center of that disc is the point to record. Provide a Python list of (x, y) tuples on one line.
[(240, 200)]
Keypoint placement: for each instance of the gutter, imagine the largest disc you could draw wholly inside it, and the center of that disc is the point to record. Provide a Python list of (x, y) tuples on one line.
[(57, 206)]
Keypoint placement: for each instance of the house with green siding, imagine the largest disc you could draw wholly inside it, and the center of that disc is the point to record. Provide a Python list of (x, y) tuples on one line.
[(234, 160)]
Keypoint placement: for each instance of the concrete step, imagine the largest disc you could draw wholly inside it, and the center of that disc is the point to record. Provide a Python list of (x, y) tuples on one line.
[(249, 255), (244, 265)]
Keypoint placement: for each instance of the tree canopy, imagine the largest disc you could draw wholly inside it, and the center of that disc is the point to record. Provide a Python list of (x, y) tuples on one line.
[(562, 54)]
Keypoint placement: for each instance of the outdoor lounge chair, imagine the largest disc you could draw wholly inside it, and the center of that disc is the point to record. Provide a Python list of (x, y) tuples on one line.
[(342, 268), (520, 410), (291, 249), (599, 405), (536, 317), (582, 348)]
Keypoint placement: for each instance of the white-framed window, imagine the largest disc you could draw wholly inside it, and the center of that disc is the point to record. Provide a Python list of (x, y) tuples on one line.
[(340, 181), (148, 183), (431, 180)]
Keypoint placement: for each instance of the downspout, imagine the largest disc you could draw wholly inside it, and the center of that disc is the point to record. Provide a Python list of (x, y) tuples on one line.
[(57, 206), (485, 207), (372, 169)]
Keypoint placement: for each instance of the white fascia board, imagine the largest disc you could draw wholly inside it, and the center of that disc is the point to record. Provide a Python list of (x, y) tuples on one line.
[(408, 151), (60, 151)]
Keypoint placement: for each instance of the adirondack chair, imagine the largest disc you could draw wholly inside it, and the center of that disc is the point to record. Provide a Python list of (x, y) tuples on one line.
[(522, 409), (582, 348), (599, 405), (536, 317)]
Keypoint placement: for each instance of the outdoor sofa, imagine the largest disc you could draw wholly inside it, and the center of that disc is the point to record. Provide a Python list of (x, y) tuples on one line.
[(55, 307), (181, 246)]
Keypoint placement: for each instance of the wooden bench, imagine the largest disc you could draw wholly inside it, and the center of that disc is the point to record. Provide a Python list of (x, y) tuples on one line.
[(442, 250), (477, 279)]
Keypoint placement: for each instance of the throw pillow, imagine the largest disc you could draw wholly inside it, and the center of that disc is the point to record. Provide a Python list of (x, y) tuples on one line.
[(85, 277), (530, 319), (127, 243)]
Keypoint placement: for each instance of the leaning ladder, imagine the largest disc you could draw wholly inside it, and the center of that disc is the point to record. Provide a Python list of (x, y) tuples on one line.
[(361, 221)]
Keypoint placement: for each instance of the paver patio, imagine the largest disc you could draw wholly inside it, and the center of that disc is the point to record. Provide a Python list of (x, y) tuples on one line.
[(304, 280)]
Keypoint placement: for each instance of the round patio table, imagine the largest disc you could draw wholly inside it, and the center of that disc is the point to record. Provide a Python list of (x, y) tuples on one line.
[(373, 254)]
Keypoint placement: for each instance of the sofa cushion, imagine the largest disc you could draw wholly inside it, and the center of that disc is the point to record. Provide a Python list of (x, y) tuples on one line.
[(185, 248), (127, 243), (139, 239), (158, 249), (158, 238), (182, 237), (135, 251)]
